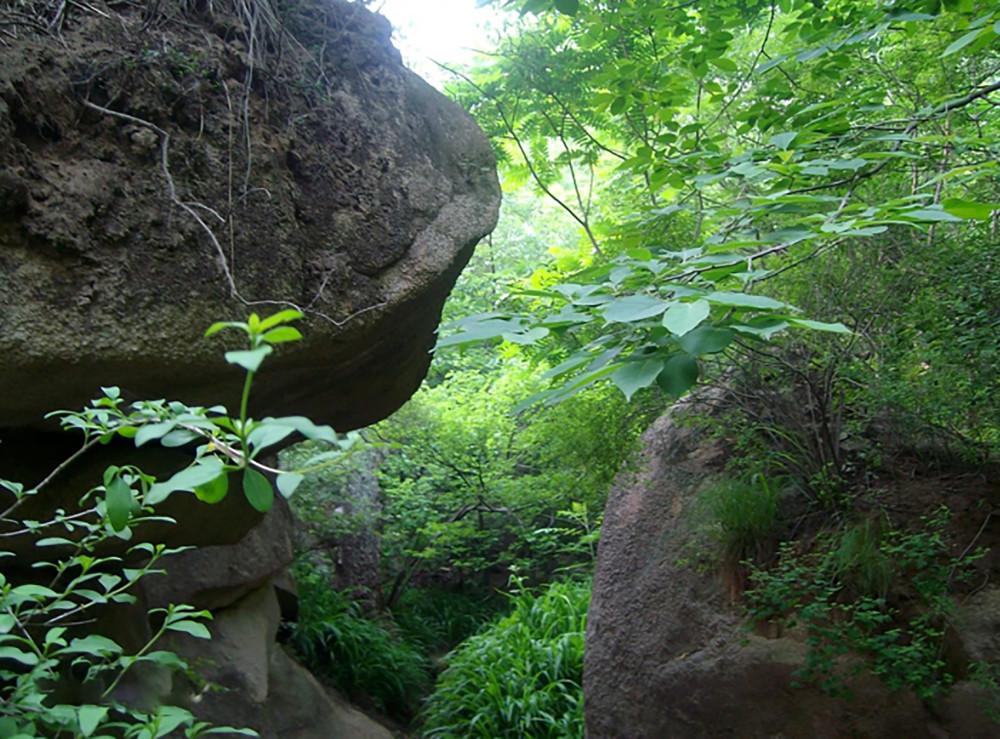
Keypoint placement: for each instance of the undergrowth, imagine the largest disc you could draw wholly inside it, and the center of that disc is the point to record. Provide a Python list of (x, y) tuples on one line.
[(438, 620), (867, 599), (520, 677), (363, 657)]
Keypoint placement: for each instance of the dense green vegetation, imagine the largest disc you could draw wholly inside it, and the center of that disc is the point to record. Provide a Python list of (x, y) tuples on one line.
[(538, 650), (795, 200), (58, 679)]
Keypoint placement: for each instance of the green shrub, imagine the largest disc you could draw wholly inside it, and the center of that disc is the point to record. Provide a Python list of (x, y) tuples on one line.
[(845, 594), (363, 658), (522, 676), (742, 516), (76, 573), (857, 560)]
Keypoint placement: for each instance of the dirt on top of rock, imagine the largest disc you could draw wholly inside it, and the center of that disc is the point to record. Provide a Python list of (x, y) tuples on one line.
[(167, 165)]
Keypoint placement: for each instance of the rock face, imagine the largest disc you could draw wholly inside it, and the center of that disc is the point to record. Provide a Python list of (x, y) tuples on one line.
[(162, 169), (667, 654), (251, 680), (164, 166)]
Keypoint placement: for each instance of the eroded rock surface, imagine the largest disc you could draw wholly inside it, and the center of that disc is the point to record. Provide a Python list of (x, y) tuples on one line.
[(159, 171), (667, 652), (164, 166)]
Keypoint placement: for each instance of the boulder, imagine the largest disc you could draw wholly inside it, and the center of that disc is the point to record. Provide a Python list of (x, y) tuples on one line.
[(166, 167), (214, 577), (246, 680), (667, 651)]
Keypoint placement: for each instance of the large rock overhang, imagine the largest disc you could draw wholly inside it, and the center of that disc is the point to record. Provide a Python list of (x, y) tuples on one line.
[(159, 174)]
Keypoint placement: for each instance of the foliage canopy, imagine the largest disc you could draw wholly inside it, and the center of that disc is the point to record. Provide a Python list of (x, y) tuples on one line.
[(706, 148)]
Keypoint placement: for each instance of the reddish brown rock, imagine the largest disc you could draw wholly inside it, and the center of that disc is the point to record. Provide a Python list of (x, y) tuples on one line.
[(667, 652)]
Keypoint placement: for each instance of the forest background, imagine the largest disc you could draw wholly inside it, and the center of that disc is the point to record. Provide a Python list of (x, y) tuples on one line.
[(797, 199), (795, 202)]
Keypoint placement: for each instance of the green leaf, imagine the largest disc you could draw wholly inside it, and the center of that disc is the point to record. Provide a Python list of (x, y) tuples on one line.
[(93, 644), (783, 140), (744, 300), (929, 214), (771, 64), (216, 327), (679, 374), (568, 7), (195, 628), (18, 655), (565, 317), (164, 658), (285, 316), (577, 360), (633, 308), (178, 438), (268, 433), (307, 428), (153, 431), (118, 503), (287, 483), (230, 730), (909, 15), (969, 209), (30, 591), (258, 490), (249, 359), (685, 317), (202, 472), (528, 338), (763, 329), (281, 335), (213, 491), (837, 328), (706, 340), (634, 376), (90, 717), (55, 541), (168, 718), (962, 42), (853, 164), (474, 332), (726, 65)]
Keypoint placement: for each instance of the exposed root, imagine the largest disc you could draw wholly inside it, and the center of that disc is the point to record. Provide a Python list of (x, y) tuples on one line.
[(262, 28), (192, 207)]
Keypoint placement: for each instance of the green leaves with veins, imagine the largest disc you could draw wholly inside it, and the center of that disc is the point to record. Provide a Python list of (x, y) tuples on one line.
[(258, 490), (703, 149), (683, 317), (222, 444), (34, 618), (645, 308)]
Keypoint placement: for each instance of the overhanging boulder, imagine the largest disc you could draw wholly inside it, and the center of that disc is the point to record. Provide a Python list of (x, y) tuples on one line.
[(164, 168)]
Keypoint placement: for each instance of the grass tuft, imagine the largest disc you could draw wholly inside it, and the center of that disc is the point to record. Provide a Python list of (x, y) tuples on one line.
[(520, 677)]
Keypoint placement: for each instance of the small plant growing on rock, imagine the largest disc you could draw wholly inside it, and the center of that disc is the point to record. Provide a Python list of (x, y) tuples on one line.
[(45, 612), (842, 593)]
